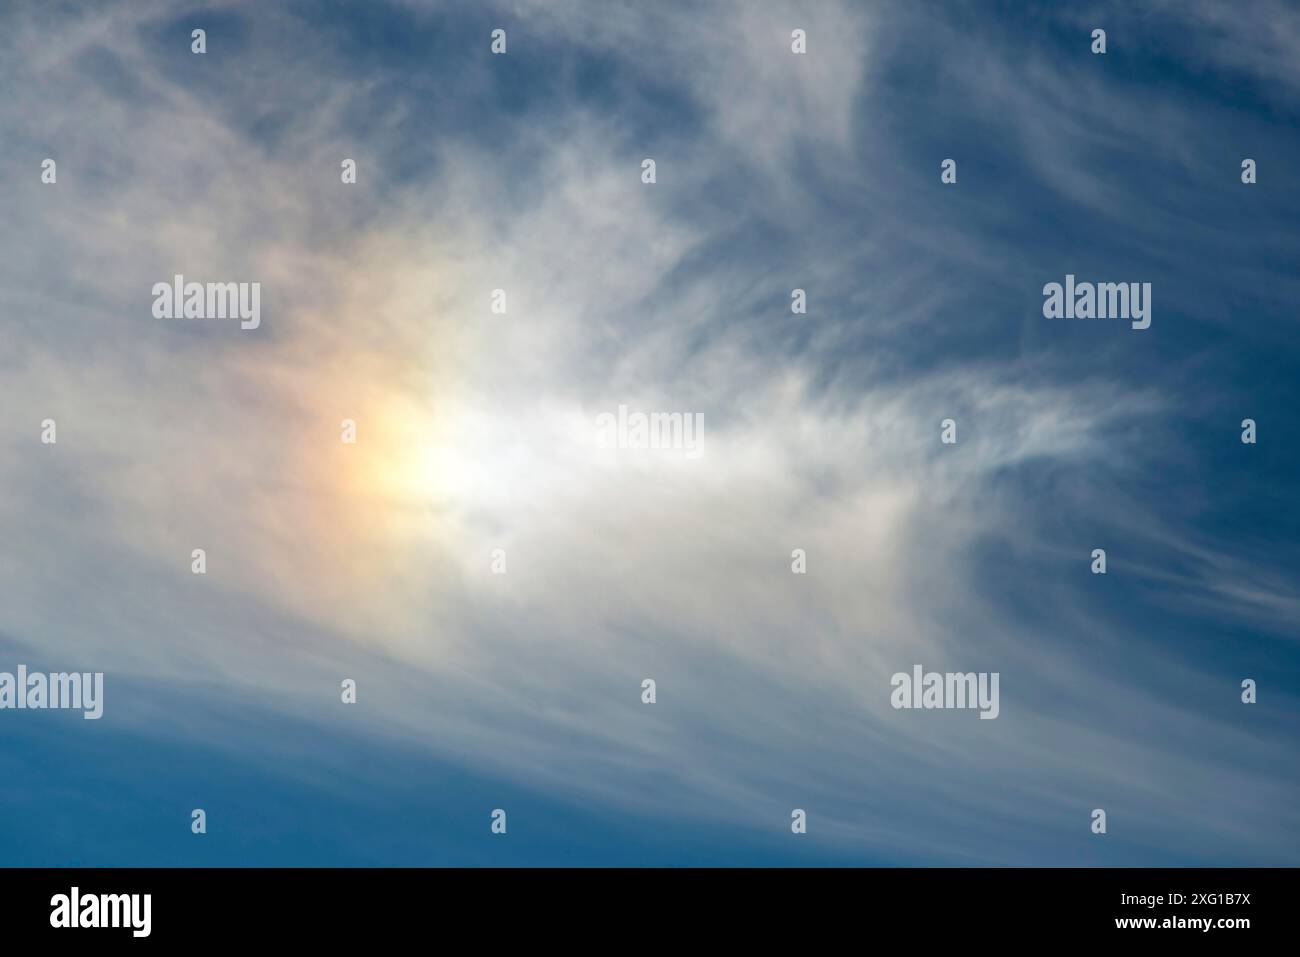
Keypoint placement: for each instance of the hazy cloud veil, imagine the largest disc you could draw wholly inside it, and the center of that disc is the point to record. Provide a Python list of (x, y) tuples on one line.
[(476, 431)]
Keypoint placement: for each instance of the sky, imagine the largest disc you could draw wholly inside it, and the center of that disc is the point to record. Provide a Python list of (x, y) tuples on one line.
[(498, 584)]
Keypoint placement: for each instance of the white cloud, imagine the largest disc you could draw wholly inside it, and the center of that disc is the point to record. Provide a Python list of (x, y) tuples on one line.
[(475, 433)]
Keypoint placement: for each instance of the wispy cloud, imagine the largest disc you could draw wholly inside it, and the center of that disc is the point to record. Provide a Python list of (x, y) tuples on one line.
[(476, 430)]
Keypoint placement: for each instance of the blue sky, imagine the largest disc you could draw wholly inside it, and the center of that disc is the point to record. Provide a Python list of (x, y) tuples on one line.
[(522, 691)]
